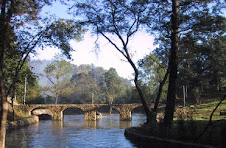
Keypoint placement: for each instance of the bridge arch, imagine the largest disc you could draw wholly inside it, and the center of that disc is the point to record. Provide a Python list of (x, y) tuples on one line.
[(76, 107), (42, 113), (106, 110), (40, 110), (138, 109), (72, 111), (31, 108)]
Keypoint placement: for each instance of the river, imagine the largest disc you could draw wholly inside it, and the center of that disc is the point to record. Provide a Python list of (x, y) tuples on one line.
[(74, 132)]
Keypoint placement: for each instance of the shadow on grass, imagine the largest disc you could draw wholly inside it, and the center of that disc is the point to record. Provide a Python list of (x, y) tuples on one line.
[(182, 134)]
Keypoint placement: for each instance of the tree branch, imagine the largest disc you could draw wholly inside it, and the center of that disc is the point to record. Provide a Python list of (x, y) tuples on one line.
[(210, 120)]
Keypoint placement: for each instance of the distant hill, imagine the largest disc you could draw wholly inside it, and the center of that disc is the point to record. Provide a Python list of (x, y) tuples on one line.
[(37, 67), (97, 73)]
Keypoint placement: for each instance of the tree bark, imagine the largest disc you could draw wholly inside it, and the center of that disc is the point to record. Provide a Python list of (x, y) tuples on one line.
[(4, 111), (12, 101), (171, 97), (56, 99), (160, 91), (126, 54), (144, 103), (110, 110), (4, 103), (154, 111)]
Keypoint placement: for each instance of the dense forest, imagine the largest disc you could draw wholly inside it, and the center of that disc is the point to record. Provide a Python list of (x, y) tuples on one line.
[(200, 74), (83, 84), (187, 67)]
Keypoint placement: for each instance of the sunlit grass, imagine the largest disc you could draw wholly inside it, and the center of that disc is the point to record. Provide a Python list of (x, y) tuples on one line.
[(17, 116), (203, 111), (189, 122)]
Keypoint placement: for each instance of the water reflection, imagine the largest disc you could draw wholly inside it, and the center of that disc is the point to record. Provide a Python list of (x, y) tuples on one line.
[(59, 124), (90, 124), (74, 132), (125, 124)]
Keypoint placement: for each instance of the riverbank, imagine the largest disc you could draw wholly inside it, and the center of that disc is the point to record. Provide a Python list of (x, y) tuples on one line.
[(189, 123), (144, 139), (19, 120), (22, 123)]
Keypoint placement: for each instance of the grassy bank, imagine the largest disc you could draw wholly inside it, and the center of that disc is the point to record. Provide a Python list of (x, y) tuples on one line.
[(189, 123), (18, 115)]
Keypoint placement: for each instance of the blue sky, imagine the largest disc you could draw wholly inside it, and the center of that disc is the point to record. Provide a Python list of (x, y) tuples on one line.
[(141, 44)]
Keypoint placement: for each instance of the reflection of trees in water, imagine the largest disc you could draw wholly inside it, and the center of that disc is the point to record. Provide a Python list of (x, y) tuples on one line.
[(21, 137), (46, 132)]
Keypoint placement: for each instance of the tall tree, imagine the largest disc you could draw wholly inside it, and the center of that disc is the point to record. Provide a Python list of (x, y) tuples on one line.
[(154, 75), (20, 30), (199, 19), (58, 73), (116, 20), (85, 89), (113, 86), (12, 14), (201, 68), (173, 64)]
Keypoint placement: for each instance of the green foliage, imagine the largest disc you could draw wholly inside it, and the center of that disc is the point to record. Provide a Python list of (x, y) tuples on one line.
[(85, 89), (113, 85), (23, 30), (58, 73), (10, 69), (201, 44), (88, 84), (60, 32), (202, 66), (152, 72)]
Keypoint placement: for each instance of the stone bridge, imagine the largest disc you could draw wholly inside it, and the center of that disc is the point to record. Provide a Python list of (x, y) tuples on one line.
[(89, 109)]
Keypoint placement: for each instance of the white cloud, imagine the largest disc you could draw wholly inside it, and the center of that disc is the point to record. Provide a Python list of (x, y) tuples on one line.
[(140, 45), (47, 54)]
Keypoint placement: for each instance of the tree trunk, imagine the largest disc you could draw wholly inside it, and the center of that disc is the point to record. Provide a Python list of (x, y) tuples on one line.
[(56, 98), (4, 111), (160, 91), (4, 103), (171, 97), (143, 101), (154, 111), (110, 110), (3, 116), (12, 99), (146, 108)]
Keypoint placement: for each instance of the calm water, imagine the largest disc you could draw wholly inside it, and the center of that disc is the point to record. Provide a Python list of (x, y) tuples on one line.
[(74, 132)]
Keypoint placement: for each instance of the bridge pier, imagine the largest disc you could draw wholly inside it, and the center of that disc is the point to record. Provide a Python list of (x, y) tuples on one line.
[(125, 115), (90, 115), (124, 111), (58, 116)]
